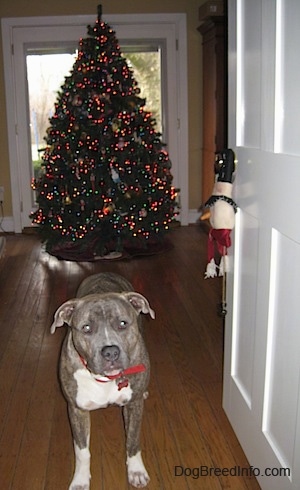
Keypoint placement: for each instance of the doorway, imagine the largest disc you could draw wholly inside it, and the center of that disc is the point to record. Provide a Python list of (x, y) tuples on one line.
[(37, 33)]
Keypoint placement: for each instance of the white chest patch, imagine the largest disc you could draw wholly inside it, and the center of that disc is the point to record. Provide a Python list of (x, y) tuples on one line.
[(92, 394)]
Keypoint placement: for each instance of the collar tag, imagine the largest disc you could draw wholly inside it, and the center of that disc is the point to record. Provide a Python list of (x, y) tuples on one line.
[(123, 384)]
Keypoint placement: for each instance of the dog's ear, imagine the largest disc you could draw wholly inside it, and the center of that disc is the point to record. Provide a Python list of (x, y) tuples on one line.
[(63, 314), (139, 303)]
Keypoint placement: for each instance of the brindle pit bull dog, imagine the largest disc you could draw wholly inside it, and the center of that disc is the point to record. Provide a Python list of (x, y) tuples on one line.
[(104, 361)]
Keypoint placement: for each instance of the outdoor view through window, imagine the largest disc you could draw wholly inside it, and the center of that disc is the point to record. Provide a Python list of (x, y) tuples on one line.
[(46, 73)]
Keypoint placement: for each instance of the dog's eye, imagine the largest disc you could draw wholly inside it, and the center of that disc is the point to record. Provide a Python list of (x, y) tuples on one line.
[(86, 329), (122, 324)]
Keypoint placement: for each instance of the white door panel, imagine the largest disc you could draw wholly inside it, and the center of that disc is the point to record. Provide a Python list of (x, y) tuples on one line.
[(245, 301), (262, 334)]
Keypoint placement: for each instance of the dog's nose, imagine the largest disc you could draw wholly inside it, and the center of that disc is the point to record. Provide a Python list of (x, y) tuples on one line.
[(111, 352)]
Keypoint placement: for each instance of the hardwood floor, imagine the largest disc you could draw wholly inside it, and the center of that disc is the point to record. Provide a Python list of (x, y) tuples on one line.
[(184, 424)]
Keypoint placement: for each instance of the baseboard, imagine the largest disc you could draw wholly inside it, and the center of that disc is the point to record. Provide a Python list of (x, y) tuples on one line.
[(194, 216), (7, 225)]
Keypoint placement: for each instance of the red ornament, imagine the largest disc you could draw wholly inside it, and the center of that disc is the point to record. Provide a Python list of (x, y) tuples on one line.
[(77, 101)]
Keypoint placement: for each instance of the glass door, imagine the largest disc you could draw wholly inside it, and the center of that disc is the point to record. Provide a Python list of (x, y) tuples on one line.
[(47, 68)]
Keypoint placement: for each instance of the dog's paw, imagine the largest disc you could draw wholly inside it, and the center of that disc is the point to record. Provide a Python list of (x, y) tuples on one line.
[(80, 484), (137, 474), (82, 475), (138, 479), (75, 486)]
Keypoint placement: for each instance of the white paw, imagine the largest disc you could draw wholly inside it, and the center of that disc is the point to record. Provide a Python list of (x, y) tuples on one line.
[(137, 474), (79, 487), (82, 475), (79, 484)]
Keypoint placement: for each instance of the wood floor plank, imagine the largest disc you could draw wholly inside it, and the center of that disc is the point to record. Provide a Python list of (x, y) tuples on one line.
[(108, 449), (178, 415)]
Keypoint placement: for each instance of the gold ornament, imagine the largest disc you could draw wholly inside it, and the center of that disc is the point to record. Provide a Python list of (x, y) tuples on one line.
[(116, 123), (68, 200)]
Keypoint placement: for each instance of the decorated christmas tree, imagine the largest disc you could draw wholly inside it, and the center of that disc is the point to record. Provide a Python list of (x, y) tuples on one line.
[(105, 182)]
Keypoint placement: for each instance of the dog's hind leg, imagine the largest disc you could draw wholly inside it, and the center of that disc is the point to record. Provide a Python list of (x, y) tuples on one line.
[(80, 424)]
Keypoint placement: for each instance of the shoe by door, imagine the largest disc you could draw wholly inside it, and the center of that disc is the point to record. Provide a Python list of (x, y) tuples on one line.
[(262, 327)]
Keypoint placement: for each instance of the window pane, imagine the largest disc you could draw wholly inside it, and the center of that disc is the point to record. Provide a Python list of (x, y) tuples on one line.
[(45, 75), (46, 71), (147, 72)]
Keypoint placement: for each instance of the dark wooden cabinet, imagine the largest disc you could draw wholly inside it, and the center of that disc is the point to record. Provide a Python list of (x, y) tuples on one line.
[(214, 41)]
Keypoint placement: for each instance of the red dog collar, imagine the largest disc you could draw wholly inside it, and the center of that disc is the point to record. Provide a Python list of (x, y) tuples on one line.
[(139, 368)]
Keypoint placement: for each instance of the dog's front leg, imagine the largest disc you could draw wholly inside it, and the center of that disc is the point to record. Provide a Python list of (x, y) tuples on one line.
[(136, 471), (80, 424)]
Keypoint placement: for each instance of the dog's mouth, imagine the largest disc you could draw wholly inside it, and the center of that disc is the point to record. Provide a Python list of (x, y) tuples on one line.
[(112, 372), (108, 375), (109, 372), (112, 368)]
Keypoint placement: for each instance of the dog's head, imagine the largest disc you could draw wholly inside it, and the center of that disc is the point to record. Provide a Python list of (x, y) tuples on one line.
[(105, 328)]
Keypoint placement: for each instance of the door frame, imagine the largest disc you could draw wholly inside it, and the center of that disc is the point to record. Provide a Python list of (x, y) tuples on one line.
[(171, 27)]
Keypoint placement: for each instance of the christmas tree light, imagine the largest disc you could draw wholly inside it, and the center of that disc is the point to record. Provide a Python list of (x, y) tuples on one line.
[(106, 181)]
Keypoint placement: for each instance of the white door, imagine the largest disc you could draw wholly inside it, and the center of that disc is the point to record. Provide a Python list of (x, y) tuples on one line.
[(262, 330)]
